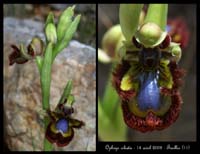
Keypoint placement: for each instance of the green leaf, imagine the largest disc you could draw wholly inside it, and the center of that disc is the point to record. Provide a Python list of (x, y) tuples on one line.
[(66, 92), (110, 99), (157, 13), (112, 108), (70, 100), (64, 22), (110, 129), (46, 76), (129, 19), (111, 126), (67, 37)]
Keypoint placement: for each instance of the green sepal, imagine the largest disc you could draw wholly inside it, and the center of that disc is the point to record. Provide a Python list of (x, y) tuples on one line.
[(157, 13), (129, 15)]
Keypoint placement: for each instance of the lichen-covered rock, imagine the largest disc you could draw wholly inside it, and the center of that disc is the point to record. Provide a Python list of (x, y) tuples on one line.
[(23, 122)]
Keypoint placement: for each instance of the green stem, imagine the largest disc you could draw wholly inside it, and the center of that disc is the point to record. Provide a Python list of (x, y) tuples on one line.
[(45, 72), (46, 76), (47, 145)]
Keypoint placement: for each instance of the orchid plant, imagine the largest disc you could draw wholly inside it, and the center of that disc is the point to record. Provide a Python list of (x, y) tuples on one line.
[(58, 123)]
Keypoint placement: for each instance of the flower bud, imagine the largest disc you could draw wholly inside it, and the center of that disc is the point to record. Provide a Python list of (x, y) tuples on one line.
[(36, 45), (68, 35), (64, 22), (51, 33)]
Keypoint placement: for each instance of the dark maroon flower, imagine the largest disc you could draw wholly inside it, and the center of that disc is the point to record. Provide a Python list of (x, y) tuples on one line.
[(60, 129), (21, 56), (151, 121), (149, 88), (178, 30), (16, 57)]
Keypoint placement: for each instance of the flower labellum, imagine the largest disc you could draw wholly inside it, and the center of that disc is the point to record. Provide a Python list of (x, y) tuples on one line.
[(149, 86), (60, 129), (62, 125)]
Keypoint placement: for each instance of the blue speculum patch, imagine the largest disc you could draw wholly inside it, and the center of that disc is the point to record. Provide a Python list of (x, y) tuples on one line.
[(149, 92), (62, 125)]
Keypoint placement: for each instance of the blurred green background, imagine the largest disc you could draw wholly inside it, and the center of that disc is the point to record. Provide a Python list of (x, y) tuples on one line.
[(86, 32), (184, 129)]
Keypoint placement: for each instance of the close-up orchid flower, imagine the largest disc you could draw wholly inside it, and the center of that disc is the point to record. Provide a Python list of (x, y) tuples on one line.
[(145, 50)]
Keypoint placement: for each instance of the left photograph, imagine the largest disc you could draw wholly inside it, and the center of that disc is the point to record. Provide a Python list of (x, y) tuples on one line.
[(49, 77)]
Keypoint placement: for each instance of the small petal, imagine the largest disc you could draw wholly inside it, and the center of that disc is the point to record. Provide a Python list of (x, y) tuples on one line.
[(153, 118), (76, 123), (60, 128)]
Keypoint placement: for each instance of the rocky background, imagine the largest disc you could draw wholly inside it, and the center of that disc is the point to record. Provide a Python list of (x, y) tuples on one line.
[(23, 115)]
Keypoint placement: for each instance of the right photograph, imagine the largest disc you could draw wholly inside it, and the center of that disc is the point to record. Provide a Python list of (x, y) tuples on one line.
[(146, 72)]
